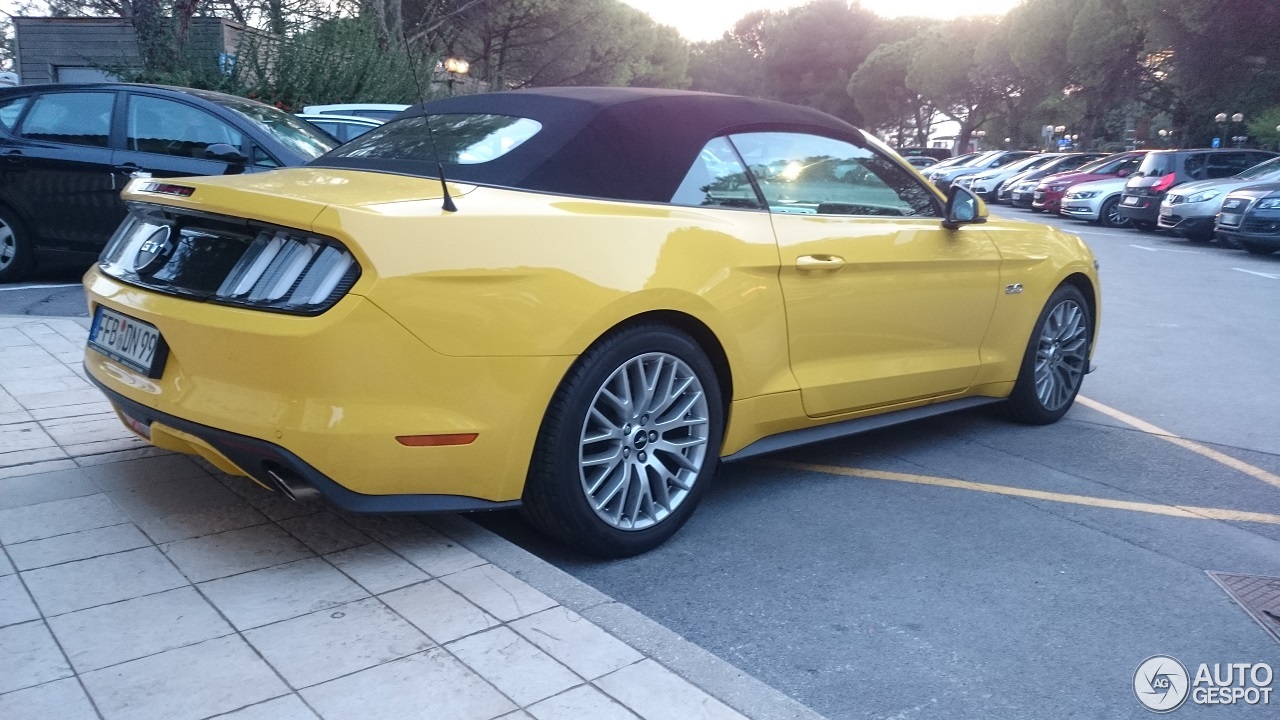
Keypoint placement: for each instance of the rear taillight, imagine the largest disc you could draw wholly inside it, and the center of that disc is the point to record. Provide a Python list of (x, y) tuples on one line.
[(230, 261), (1164, 183)]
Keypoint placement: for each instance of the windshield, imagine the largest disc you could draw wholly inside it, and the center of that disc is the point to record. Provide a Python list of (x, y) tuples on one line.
[(299, 136), (1263, 168), (1030, 163), (982, 159)]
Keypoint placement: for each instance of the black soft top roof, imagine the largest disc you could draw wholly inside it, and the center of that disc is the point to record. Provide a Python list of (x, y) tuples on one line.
[(616, 143)]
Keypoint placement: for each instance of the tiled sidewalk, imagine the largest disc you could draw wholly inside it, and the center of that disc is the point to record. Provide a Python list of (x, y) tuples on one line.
[(139, 584)]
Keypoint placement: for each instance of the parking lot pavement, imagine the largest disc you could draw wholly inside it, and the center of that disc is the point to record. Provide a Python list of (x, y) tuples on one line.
[(140, 584)]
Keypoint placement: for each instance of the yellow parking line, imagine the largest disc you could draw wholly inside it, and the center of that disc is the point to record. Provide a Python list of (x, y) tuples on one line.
[(1195, 447), (1182, 511)]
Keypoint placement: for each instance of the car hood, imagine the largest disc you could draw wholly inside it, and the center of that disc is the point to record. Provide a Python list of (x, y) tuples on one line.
[(1224, 186), (1106, 185), (1257, 192)]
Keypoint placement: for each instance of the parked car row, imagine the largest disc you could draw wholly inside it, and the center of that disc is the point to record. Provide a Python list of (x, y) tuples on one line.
[(1229, 194), (66, 151)]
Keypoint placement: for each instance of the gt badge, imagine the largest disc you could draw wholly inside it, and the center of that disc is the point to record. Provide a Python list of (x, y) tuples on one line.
[(154, 252)]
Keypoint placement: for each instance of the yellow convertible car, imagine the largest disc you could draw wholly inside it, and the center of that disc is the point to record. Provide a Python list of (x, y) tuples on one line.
[(614, 290)]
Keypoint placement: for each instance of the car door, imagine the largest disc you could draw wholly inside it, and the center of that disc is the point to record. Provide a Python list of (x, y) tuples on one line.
[(168, 138), (883, 304), (65, 168)]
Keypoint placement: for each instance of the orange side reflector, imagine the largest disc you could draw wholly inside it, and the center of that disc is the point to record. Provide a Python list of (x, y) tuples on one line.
[(437, 440)]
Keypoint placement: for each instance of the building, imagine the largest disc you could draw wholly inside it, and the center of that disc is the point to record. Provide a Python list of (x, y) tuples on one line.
[(81, 49)]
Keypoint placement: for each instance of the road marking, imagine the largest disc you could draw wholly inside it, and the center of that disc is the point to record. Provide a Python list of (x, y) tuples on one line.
[(1195, 447), (1271, 276), (40, 287), (1182, 511), (1151, 249)]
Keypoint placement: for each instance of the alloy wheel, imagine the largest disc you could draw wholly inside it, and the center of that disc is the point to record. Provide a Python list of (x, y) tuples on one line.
[(8, 245), (1114, 218), (644, 441), (1061, 355)]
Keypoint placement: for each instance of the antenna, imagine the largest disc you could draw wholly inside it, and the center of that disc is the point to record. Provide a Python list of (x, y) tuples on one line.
[(448, 205)]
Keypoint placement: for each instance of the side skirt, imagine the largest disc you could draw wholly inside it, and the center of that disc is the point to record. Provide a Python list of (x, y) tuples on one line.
[(844, 428)]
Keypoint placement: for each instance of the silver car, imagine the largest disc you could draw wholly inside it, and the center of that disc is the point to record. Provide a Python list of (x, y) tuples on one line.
[(1190, 209), (1096, 201), (986, 185)]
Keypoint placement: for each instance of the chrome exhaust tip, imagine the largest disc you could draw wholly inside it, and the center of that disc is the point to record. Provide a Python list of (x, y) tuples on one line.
[(291, 486)]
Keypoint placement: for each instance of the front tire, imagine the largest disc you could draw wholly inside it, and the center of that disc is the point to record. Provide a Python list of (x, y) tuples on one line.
[(17, 255), (1110, 215), (629, 444), (1056, 360)]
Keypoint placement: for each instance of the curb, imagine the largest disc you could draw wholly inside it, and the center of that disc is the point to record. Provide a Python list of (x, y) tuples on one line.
[(732, 686)]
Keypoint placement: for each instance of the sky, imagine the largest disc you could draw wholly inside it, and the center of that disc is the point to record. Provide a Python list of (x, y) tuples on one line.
[(708, 19)]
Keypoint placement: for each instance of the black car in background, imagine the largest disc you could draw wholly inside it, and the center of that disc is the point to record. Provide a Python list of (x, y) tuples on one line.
[(1165, 169), (66, 151), (1250, 219)]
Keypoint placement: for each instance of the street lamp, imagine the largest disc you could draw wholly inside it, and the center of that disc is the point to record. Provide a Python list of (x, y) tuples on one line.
[(456, 67), (1220, 117), (1237, 118), (979, 134)]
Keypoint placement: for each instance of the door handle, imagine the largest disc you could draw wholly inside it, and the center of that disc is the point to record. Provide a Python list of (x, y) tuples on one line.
[(807, 263)]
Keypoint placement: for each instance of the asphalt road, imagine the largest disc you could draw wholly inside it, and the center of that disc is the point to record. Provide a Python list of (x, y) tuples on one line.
[(905, 598), (907, 595)]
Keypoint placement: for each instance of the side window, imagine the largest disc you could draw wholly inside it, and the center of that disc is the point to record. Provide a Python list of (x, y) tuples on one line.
[(262, 159), (1004, 160), (1129, 167), (1223, 165), (814, 175), (165, 127), (332, 128), (717, 179), (78, 118), (1197, 166), (10, 110)]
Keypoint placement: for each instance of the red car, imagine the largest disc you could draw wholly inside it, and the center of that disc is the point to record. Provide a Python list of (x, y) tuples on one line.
[(1049, 192)]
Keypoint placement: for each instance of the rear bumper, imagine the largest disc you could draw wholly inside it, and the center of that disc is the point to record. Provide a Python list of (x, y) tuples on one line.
[(332, 392), (1147, 210), (260, 460)]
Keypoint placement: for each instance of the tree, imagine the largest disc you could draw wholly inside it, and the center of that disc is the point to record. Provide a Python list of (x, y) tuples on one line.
[(879, 90), (948, 72), (811, 51)]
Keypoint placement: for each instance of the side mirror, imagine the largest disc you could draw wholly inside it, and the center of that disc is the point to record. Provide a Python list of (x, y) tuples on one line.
[(222, 152), (963, 208)]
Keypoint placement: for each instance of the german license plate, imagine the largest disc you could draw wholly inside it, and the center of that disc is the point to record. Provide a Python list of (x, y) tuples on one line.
[(1015, 196), (1130, 200), (128, 341), (1039, 196), (1229, 219)]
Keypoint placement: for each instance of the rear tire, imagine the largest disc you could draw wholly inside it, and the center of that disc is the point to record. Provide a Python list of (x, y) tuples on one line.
[(1255, 249), (598, 486), (1056, 360), (17, 251)]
